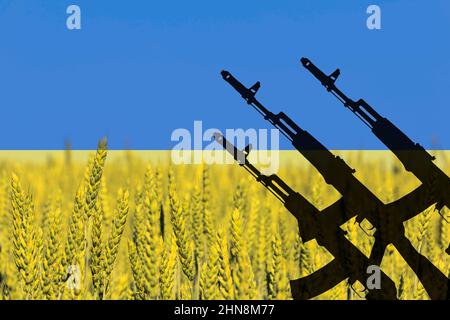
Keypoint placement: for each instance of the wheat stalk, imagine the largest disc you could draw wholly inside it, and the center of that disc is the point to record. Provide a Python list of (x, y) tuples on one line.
[(95, 175), (24, 237), (243, 277), (183, 240)]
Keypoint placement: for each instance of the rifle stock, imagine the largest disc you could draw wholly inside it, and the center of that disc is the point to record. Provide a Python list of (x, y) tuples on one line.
[(324, 227)]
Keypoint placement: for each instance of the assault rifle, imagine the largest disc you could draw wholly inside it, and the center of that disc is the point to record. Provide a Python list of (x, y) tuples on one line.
[(386, 218), (413, 156), (323, 226)]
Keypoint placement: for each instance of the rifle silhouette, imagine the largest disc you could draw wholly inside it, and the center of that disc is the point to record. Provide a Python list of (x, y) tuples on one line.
[(386, 218), (323, 226), (413, 156)]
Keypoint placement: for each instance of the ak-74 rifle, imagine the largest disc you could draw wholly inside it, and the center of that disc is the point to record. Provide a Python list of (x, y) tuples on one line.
[(414, 157), (324, 227), (386, 218)]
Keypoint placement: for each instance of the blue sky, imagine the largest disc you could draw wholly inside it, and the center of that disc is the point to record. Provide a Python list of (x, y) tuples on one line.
[(140, 69)]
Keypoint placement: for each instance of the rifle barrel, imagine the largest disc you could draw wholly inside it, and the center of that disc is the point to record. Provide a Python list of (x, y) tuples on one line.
[(273, 183), (334, 169), (413, 156)]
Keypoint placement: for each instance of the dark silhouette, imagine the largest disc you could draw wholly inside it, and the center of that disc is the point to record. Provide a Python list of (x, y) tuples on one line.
[(356, 198), (414, 157), (323, 226)]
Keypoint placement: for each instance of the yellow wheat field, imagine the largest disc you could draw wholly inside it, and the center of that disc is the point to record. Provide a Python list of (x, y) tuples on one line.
[(128, 225)]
